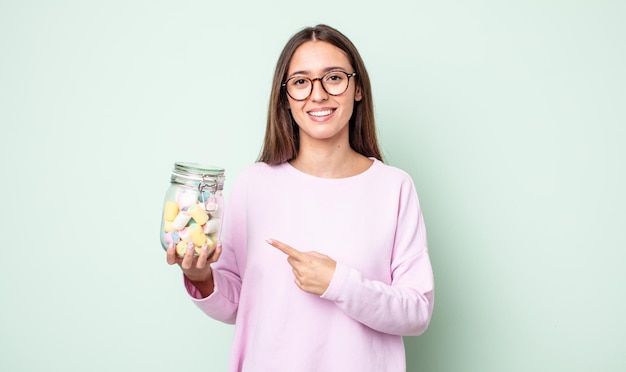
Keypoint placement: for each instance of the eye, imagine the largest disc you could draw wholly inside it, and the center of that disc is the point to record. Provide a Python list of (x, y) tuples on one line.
[(299, 82), (334, 77)]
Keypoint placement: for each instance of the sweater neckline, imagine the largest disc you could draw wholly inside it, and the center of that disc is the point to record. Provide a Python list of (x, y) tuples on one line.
[(291, 169)]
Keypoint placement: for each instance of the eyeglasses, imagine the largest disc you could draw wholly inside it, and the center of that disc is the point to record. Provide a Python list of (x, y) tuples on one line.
[(334, 83)]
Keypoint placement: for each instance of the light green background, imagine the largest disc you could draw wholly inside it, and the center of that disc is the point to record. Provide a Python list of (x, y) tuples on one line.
[(509, 115)]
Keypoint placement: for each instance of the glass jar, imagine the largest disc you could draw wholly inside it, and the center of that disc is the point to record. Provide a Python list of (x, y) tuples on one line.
[(192, 209)]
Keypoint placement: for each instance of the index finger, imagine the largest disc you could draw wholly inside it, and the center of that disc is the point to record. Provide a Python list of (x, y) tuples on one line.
[(289, 251)]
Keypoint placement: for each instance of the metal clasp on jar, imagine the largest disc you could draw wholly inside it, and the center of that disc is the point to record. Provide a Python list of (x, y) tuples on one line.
[(207, 189)]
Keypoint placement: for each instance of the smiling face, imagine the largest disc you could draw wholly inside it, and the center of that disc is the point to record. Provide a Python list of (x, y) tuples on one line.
[(322, 117)]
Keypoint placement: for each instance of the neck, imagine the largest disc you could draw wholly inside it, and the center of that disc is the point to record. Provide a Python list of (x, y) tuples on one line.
[(330, 160)]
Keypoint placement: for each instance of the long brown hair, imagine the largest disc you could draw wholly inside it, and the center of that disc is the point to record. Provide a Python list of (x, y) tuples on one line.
[(282, 140)]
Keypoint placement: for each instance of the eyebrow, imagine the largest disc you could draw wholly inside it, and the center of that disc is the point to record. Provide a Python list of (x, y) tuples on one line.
[(327, 69)]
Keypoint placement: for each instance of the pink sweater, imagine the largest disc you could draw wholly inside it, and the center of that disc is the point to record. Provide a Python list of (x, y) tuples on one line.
[(382, 289)]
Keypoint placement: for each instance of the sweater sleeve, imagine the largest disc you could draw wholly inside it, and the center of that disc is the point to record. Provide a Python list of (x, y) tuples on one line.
[(223, 303), (403, 307)]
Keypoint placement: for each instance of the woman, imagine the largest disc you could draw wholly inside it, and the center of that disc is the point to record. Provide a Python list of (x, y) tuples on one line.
[(323, 264)]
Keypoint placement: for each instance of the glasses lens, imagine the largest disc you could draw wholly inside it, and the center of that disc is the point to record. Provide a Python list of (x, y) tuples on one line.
[(298, 87), (335, 82)]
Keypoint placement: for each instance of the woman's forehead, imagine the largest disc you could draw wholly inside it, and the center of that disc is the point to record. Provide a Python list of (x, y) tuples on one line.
[(317, 57)]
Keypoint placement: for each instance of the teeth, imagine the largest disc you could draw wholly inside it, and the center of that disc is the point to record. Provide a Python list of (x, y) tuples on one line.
[(320, 113)]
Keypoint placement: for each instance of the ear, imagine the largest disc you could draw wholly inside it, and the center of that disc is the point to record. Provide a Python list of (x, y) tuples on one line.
[(357, 94)]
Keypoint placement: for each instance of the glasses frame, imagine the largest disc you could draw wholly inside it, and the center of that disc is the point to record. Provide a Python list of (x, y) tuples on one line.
[(284, 84)]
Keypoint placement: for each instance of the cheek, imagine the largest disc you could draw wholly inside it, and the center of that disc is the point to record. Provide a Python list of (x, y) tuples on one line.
[(294, 105), (295, 112), (349, 105)]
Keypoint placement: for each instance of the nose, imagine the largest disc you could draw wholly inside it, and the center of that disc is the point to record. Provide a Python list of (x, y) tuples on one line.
[(318, 93)]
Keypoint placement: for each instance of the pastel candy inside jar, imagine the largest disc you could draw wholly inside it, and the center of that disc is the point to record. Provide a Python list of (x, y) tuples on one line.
[(191, 219), (193, 225)]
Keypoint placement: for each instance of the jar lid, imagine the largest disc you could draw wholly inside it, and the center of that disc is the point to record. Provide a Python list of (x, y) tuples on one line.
[(197, 169), (197, 175)]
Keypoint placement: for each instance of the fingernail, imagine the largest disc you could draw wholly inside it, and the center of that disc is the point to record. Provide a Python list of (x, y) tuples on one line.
[(269, 241)]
